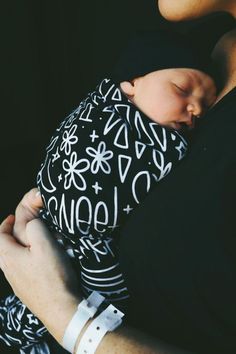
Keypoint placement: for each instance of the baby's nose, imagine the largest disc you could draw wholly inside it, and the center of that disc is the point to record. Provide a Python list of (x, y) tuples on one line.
[(195, 108)]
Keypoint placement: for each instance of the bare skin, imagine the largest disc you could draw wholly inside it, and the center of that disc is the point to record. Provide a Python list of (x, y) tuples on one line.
[(26, 211), (172, 97), (226, 63), (42, 250), (190, 9), (44, 257)]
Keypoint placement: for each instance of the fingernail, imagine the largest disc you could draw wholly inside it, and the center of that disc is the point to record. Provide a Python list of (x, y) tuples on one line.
[(38, 194), (10, 219)]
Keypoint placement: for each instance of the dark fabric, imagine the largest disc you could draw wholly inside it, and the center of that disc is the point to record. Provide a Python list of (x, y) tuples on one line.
[(178, 250), (100, 164), (149, 51), (50, 52)]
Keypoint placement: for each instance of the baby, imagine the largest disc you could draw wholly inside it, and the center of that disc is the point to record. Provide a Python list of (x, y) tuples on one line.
[(105, 157)]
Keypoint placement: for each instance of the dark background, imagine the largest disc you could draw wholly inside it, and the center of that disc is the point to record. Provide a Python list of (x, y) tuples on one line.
[(53, 53)]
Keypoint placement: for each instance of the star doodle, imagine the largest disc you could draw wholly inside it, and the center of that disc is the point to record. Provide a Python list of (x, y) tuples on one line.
[(32, 319), (56, 156), (181, 148)]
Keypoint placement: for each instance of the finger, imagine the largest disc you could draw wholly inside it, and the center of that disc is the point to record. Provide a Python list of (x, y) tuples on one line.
[(28, 207), (7, 224), (33, 199)]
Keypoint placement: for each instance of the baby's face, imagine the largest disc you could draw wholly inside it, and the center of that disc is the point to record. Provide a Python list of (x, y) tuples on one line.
[(172, 97)]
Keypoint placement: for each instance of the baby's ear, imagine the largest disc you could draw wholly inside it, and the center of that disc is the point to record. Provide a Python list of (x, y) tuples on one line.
[(127, 87)]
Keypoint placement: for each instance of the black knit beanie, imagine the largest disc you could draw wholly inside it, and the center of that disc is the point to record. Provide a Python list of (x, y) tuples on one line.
[(155, 50)]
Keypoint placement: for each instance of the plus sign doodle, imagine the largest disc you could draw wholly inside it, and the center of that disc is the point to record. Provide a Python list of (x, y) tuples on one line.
[(93, 136), (96, 187)]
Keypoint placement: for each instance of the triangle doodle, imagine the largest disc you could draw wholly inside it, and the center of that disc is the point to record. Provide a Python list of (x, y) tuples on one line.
[(120, 136), (123, 110), (162, 141), (139, 148), (142, 132), (105, 94), (86, 113), (112, 121), (116, 95), (124, 163), (108, 109)]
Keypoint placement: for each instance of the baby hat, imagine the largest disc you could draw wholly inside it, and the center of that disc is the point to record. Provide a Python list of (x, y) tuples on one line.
[(153, 50)]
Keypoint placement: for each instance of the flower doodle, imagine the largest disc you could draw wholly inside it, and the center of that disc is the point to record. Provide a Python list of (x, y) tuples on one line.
[(69, 139), (74, 173), (101, 155)]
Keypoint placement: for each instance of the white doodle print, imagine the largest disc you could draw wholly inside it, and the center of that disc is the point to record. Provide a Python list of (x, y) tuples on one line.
[(99, 166), (41, 348), (124, 163), (159, 161), (56, 156), (68, 139), (146, 182), (96, 187), (121, 140), (101, 155), (93, 136), (74, 173), (139, 149), (181, 148), (21, 328)]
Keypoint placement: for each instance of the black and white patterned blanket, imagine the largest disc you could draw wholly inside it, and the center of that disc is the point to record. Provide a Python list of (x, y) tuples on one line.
[(100, 164)]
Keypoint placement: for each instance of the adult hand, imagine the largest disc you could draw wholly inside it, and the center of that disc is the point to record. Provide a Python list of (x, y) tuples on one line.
[(40, 274), (42, 277), (27, 210)]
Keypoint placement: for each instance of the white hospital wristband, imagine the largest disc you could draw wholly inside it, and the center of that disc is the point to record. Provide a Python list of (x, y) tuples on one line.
[(108, 320), (85, 310)]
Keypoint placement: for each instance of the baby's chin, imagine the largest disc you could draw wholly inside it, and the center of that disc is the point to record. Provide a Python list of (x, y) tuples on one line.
[(174, 126), (180, 127)]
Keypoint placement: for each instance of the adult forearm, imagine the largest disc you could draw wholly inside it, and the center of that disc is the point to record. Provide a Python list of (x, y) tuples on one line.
[(123, 340), (127, 340), (50, 289)]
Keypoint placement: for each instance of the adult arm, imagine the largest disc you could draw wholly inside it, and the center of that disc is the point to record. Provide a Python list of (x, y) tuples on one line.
[(52, 288)]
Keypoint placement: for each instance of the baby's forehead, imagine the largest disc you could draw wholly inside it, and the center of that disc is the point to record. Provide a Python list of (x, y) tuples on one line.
[(194, 77), (187, 73)]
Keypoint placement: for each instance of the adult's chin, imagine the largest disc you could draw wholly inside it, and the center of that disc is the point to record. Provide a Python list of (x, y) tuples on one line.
[(180, 10)]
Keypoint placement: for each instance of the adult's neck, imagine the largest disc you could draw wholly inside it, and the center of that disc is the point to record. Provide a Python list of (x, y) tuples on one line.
[(224, 56), (231, 7)]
